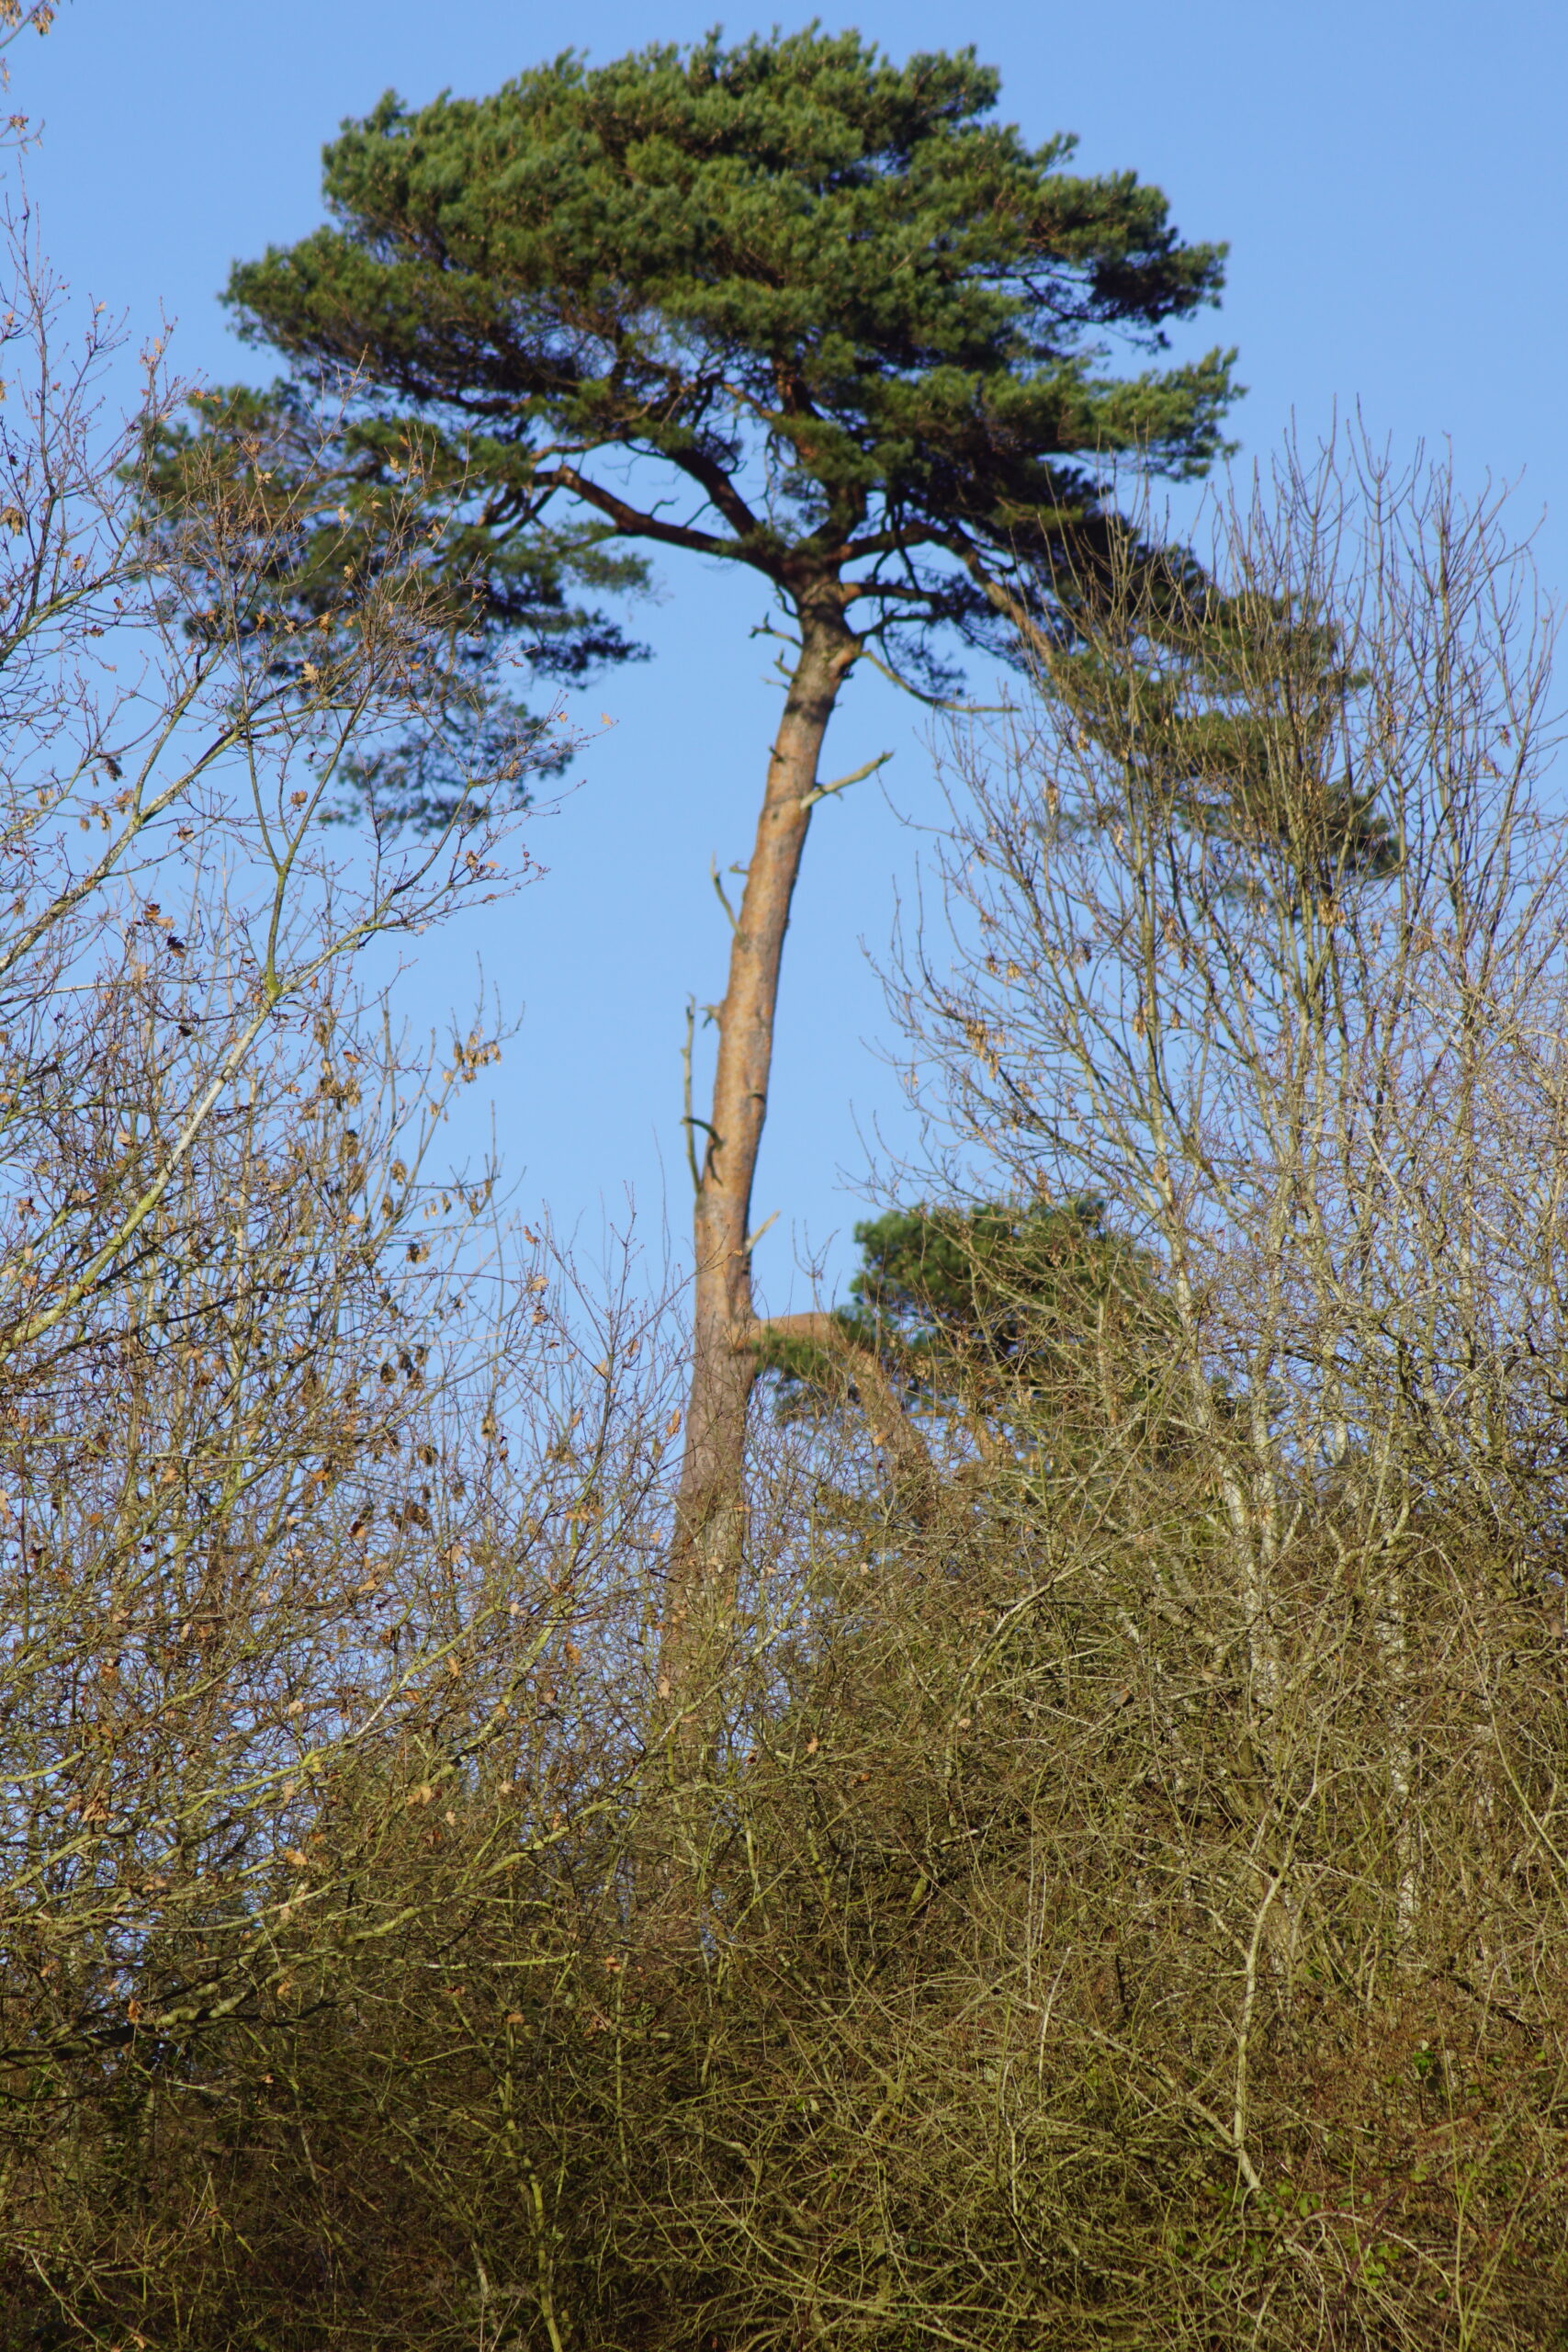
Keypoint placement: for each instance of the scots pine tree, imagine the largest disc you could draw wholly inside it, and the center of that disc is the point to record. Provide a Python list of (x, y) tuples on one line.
[(854, 335)]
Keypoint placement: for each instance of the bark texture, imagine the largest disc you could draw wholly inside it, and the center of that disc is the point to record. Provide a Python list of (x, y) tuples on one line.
[(710, 1509)]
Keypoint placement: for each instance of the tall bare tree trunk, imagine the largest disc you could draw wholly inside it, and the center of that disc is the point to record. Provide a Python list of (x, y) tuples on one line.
[(709, 1525)]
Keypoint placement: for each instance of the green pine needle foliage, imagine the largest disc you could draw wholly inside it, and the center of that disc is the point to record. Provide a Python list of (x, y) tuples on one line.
[(861, 332), (1023, 1331)]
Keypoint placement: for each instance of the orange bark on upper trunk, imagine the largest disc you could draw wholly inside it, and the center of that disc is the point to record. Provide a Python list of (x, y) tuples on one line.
[(709, 1524)]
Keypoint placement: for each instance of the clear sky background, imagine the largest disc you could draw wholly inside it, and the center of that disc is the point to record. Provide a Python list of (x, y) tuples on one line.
[(1391, 178)]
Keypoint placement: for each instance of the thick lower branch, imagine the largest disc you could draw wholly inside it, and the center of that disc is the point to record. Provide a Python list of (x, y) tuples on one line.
[(886, 1417)]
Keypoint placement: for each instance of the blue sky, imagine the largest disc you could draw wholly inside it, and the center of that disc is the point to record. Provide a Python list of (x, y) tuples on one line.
[(1391, 179)]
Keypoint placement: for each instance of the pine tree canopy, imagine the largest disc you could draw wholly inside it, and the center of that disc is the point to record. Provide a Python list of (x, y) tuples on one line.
[(957, 1297), (852, 331)]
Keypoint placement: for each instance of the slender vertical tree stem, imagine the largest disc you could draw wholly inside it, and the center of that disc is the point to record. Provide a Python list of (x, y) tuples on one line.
[(709, 1525)]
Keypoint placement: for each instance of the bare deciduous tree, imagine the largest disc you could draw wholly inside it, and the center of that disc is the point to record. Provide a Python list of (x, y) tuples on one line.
[(1329, 1089), (208, 1372)]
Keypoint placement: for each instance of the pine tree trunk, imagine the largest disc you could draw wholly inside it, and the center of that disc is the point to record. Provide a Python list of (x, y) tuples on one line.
[(710, 1507)]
